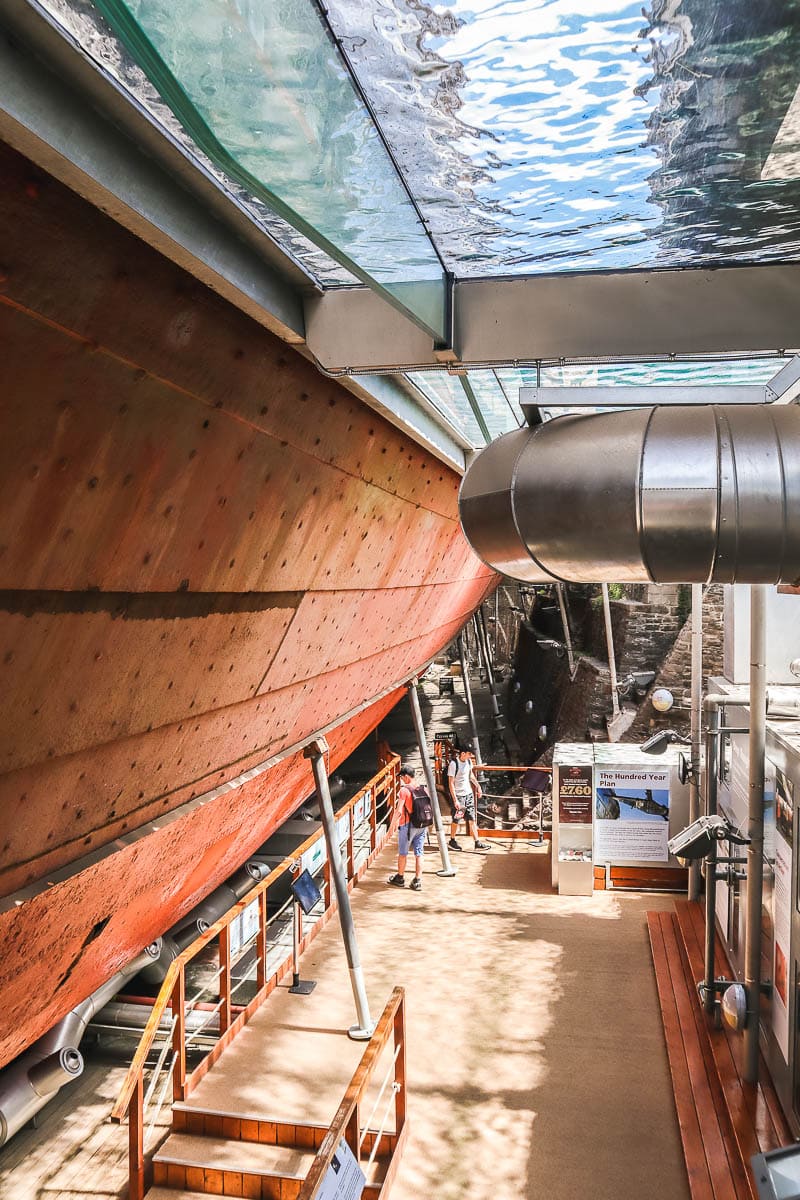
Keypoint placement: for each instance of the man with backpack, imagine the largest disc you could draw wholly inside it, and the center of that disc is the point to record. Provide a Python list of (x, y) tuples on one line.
[(465, 791), (416, 815)]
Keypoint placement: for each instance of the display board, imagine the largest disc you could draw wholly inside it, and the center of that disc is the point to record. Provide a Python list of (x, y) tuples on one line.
[(782, 908), (575, 795), (632, 810)]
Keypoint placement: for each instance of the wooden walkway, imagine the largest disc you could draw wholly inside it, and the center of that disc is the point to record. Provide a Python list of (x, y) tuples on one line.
[(723, 1121)]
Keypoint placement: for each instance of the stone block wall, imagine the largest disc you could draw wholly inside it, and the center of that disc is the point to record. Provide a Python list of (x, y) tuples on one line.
[(676, 671)]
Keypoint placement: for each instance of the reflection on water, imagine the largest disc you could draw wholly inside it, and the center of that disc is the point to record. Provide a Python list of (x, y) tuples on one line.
[(552, 135), (555, 135)]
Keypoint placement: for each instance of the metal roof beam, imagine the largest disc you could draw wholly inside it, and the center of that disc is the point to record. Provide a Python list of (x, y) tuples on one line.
[(55, 124), (625, 314)]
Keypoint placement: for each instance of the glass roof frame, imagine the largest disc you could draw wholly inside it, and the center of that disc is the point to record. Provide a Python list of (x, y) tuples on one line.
[(481, 399)]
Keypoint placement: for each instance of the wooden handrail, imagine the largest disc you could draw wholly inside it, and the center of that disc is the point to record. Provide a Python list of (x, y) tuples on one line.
[(352, 1097), (163, 999)]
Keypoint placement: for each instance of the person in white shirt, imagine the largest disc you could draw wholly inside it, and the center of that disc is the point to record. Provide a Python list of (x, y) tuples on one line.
[(464, 790)]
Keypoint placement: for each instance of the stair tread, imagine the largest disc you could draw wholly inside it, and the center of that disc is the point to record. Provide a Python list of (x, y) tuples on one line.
[(164, 1193), (222, 1154)]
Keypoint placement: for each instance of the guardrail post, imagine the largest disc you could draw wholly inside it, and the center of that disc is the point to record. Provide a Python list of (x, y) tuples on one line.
[(352, 1133), (400, 1067), (136, 1141), (261, 942), (225, 978), (373, 823), (178, 1003)]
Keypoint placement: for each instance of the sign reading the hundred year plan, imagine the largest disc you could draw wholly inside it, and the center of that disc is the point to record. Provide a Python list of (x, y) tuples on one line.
[(575, 795), (631, 815)]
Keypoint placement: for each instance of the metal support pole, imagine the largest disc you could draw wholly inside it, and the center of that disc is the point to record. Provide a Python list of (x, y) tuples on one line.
[(712, 739), (364, 1029), (612, 665), (755, 828), (697, 692), (413, 696), (300, 987), (478, 646), (562, 606), (487, 658), (468, 697)]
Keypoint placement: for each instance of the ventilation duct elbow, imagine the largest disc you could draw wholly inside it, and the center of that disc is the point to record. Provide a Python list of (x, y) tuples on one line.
[(34, 1078), (664, 495)]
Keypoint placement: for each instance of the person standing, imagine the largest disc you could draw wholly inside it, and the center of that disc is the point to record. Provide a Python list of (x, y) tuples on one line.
[(465, 791), (408, 838)]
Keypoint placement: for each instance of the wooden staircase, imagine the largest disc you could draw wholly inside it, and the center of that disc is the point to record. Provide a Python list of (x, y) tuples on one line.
[(224, 1154), (723, 1120)]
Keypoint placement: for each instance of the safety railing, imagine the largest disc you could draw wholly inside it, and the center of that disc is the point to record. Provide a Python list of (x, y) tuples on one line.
[(376, 1150), (213, 988), (521, 808)]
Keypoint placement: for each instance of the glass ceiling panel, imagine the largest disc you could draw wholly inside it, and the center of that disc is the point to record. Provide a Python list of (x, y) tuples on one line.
[(79, 21), (261, 89), (558, 135), (446, 394), (497, 391)]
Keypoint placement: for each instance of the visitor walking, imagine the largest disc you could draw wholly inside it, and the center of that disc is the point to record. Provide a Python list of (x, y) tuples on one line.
[(465, 791), (408, 838)]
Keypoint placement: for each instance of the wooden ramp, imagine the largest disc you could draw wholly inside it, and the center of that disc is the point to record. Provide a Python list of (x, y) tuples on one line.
[(723, 1121)]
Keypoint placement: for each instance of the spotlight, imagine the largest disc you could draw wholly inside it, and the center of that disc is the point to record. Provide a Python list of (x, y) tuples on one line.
[(658, 743), (734, 1006), (697, 840), (777, 1173)]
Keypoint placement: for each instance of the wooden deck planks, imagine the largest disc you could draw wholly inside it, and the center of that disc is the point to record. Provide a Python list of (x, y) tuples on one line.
[(711, 1150), (691, 1136), (755, 1110)]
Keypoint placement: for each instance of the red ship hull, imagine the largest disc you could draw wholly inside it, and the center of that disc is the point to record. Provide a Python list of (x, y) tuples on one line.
[(208, 552)]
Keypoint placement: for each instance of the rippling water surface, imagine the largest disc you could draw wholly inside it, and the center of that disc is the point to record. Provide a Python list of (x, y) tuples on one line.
[(552, 135)]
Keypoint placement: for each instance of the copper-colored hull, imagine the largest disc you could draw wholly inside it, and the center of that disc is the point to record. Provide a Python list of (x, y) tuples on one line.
[(208, 551)]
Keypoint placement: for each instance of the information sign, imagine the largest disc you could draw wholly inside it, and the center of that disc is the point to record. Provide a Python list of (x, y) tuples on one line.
[(631, 814), (344, 1179), (575, 795), (782, 908)]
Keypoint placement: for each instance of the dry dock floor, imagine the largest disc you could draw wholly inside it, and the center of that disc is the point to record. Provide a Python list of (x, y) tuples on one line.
[(536, 1059)]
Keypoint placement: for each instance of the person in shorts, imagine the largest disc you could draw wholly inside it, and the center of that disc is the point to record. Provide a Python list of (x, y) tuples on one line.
[(464, 793), (408, 838)]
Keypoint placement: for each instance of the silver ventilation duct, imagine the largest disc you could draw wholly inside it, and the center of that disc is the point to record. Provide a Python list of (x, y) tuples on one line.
[(689, 494), (215, 905), (34, 1078)]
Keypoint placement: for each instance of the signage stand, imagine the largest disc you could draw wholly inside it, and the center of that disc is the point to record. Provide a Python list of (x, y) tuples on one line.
[(573, 796)]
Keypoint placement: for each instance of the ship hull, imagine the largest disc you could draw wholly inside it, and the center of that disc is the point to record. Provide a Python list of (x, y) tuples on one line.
[(208, 553)]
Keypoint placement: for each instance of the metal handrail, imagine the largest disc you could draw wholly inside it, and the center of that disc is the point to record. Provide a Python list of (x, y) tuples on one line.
[(130, 1101)]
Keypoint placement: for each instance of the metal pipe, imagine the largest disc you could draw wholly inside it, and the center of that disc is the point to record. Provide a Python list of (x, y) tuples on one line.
[(122, 1015), (562, 605), (204, 914), (34, 1078), (316, 753), (693, 890), (468, 697), (755, 829), (416, 713), (712, 738), (612, 665), (478, 648), (480, 625), (673, 494)]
